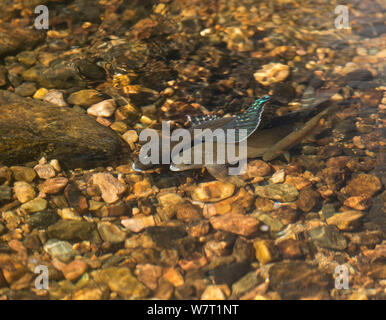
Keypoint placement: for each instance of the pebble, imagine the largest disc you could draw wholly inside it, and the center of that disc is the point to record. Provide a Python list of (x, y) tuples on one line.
[(110, 187), (358, 202), (143, 188), (115, 210), (5, 193), (26, 89), (91, 292), (164, 291), (278, 192), (285, 214), (214, 248), (290, 248), (199, 229), (230, 273), (23, 173), (169, 204), (266, 251), (110, 232), (40, 93), (240, 203), (35, 205), (257, 168), (127, 112), (264, 205), (130, 137), (121, 281), (56, 165), (138, 223), (307, 199), (53, 185), (188, 213), (213, 292), (298, 279), (173, 276), (12, 220), (45, 171), (165, 236), (104, 108), (298, 182), (363, 185), (328, 237), (346, 221), (85, 98), (69, 214), (11, 268), (27, 57), (71, 271), (148, 274), (246, 283), (274, 225), (75, 198), (195, 262), (235, 223), (119, 126), (59, 249), (24, 192), (338, 162), (5, 175), (42, 219), (278, 176), (55, 97), (71, 230), (357, 140), (272, 73), (213, 191)]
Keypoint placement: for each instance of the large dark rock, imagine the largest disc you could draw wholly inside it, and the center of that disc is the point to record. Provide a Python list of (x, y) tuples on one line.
[(16, 39), (30, 129)]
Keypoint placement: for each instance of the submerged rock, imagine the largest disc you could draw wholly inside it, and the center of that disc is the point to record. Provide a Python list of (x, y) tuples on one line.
[(30, 129), (297, 279), (14, 39)]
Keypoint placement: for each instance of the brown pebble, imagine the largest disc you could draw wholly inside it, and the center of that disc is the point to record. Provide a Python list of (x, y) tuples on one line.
[(363, 185), (173, 276), (53, 185), (109, 186), (188, 212), (201, 228), (213, 191), (45, 171), (148, 274), (235, 223), (290, 248), (307, 199), (358, 202), (71, 271), (257, 168)]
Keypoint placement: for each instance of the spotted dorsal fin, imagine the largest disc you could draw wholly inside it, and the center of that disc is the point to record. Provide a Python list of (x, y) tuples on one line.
[(244, 123), (251, 118), (248, 120)]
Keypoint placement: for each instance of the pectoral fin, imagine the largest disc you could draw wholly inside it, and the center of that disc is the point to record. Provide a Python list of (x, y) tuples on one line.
[(220, 172)]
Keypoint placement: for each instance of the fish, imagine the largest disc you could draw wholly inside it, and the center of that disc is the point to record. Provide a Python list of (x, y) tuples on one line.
[(266, 134)]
